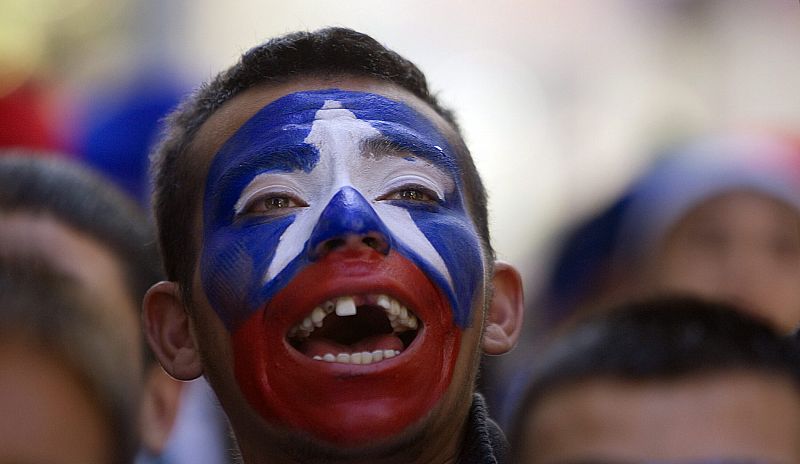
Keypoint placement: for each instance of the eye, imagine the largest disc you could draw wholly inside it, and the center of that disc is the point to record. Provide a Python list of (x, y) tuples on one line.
[(274, 203), (412, 193)]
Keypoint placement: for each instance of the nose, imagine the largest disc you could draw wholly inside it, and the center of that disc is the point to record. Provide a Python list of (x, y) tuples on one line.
[(348, 222)]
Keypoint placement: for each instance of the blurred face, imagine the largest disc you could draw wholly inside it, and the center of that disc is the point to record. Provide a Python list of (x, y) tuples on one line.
[(727, 417), (742, 247), (340, 270), (46, 414), (93, 265)]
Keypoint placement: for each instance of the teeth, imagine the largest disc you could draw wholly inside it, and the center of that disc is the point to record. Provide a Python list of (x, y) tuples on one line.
[(384, 302), (399, 317), (345, 306), (317, 316), (394, 310), (364, 357)]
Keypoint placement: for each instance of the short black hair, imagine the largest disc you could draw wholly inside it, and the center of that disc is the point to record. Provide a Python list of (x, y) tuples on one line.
[(47, 310), (329, 52), (87, 203), (657, 339)]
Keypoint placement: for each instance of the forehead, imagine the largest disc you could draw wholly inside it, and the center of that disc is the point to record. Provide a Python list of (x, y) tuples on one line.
[(728, 413), (223, 123), (737, 212)]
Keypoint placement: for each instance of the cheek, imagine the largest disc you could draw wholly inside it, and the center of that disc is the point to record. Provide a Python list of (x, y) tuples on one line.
[(233, 264), (455, 239)]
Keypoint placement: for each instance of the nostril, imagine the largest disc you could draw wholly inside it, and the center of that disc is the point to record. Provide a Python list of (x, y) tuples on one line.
[(371, 242), (333, 244), (376, 243)]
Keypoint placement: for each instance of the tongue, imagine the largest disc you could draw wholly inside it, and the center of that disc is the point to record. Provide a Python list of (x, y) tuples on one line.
[(322, 346)]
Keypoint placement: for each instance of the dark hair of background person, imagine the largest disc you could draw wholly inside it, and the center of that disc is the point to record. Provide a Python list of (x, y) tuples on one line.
[(326, 53), (84, 201), (49, 310), (664, 338), (87, 203)]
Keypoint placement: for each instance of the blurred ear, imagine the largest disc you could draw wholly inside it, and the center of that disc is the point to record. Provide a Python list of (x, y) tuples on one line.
[(167, 327), (159, 408), (504, 321)]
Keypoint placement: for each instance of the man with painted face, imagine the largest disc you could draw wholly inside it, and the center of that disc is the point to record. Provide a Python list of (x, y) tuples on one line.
[(325, 237)]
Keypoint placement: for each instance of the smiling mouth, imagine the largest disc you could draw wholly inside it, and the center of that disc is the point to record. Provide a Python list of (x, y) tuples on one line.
[(355, 329)]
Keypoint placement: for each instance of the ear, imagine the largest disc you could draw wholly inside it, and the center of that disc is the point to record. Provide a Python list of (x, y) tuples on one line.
[(168, 330), (159, 408), (504, 321)]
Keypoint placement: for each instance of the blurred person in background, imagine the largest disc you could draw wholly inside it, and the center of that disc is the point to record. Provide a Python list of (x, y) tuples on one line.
[(60, 213), (662, 380), (718, 216), (69, 388), (719, 219), (715, 216), (114, 137)]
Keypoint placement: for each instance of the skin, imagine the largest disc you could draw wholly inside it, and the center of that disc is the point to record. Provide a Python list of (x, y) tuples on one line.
[(74, 253), (46, 414), (731, 414), (188, 347), (742, 247), (97, 269)]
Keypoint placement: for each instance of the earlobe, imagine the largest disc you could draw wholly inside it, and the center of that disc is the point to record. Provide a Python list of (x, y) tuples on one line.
[(167, 328), (504, 321)]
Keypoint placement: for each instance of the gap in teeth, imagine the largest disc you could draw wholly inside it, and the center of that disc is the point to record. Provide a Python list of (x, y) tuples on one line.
[(364, 357), (399, 317)]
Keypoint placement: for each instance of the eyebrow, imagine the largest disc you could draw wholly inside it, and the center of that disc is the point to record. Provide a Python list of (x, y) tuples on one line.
[(402, 144), (381, 146), (284, 158)]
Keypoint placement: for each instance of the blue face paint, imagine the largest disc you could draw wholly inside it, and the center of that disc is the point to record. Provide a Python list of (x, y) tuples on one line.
[(343, 162)]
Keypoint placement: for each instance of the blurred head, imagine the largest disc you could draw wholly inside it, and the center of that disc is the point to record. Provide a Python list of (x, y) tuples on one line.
[(720, 218), (340, 243), (69, 390), (667, 380), (63, 214), (59, 213)]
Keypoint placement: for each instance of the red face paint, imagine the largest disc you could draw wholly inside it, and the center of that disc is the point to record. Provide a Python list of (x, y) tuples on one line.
[(347, 404)]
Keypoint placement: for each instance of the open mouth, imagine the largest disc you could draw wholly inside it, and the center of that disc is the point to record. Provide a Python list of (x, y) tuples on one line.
[(355, 329)]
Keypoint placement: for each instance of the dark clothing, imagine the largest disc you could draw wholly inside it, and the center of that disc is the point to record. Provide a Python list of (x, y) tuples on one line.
[(485, 442)]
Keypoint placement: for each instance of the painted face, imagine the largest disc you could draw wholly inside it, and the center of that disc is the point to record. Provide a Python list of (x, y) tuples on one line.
[(340, 255)]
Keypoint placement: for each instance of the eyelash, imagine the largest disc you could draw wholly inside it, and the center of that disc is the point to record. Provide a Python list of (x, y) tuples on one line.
[(271, 208), (428, 195)]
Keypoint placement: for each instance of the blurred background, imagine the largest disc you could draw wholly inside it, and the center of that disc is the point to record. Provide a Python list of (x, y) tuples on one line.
[(562, 102)]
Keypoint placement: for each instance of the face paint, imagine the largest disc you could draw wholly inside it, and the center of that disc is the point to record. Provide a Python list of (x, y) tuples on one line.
[(285, 194)]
